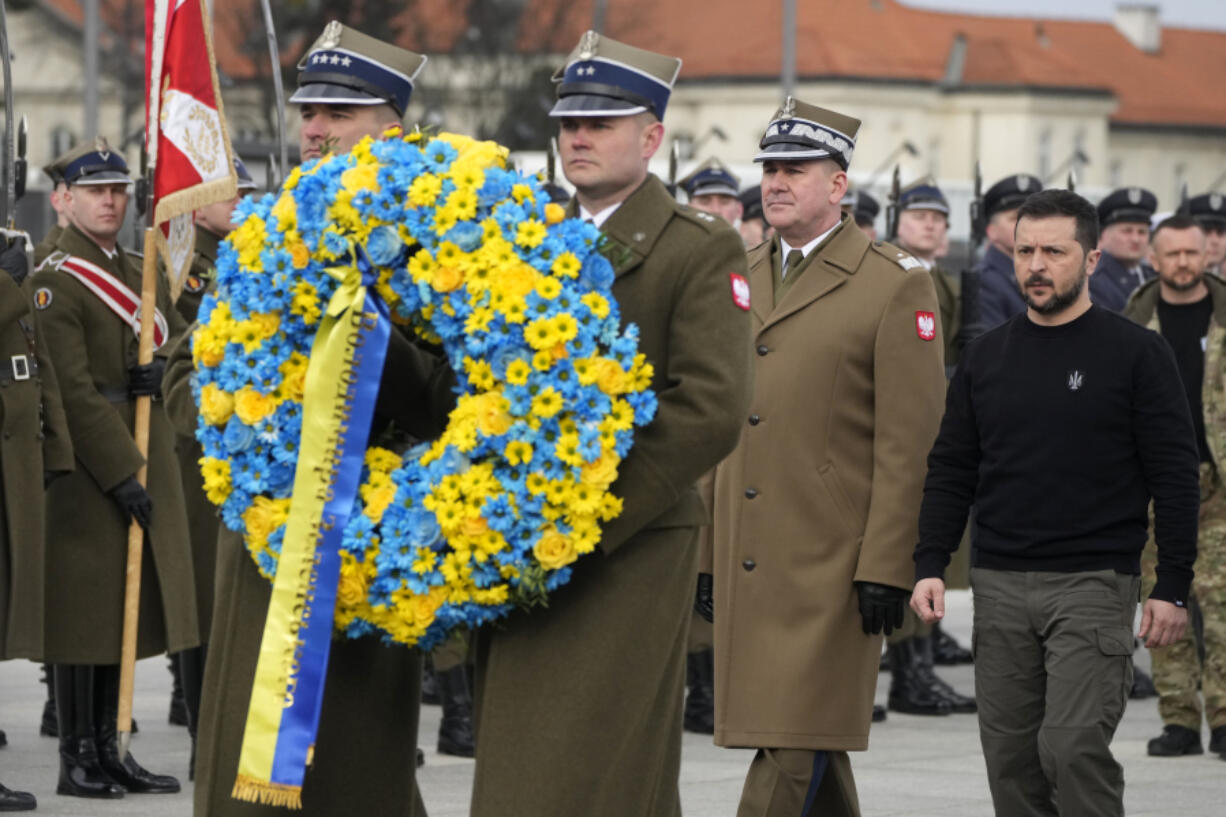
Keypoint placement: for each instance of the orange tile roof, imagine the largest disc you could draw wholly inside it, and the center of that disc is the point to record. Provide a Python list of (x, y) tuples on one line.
[(855, 39)]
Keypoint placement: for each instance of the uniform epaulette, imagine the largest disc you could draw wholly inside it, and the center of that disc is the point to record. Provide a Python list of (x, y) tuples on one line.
[(703, 219), (897, 256)]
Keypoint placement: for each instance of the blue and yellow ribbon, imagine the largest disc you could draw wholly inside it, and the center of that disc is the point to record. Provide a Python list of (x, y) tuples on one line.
[(342, 384)]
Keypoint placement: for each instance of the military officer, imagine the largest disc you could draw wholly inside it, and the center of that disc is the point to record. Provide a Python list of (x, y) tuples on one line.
[(815, 511), (915, 688), (58, 188), (85, 298), (1124, 215), (1209, 210), (713, 188), (365, 759), (212, 224), (35, 440), (579, 706), (1188, 308), (863, 208), (999, 297)]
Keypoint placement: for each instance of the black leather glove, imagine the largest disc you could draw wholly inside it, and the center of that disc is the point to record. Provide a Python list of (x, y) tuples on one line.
[(14, 261), (704, 599), (881, 606), (147, 379), (134, 501)]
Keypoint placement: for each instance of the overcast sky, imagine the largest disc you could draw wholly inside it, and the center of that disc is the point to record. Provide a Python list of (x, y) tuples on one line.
[(1182, 13)]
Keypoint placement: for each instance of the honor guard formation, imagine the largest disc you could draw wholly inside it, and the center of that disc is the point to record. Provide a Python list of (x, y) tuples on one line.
[(848, 426)]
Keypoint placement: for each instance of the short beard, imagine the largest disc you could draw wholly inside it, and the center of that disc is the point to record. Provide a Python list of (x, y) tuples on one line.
[(1184, 286), (1059, 301)]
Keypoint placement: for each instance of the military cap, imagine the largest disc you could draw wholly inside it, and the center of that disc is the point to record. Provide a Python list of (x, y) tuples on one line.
[(923, 195), (90, 163), (557, 193), (751, 201), (603, 77), (245, 182), (1128, 204), (865, 207), (1207, 208), (799, 131), (1009, 193), (711, 178), (346, 67)]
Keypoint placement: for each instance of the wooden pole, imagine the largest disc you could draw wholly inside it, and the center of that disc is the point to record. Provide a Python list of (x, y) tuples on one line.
[(136, 534)]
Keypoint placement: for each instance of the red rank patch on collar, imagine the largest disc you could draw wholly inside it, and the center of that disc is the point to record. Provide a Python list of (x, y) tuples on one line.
[(740, 291), (926, 325)]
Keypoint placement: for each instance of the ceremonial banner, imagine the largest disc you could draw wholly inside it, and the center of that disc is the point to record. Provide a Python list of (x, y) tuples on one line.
[(342, 383), (188, 144)]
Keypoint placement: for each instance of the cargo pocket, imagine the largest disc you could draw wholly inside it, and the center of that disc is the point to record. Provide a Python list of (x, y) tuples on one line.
[(1115, 643)]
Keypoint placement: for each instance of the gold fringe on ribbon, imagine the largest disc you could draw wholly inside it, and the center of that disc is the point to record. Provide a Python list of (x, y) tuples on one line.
[(250, 790)]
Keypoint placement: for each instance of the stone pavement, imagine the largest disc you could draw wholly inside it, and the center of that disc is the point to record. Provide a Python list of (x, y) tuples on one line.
[(915, 767)]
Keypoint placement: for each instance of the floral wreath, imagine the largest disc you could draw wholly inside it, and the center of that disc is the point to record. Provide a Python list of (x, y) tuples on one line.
[(469, 256)]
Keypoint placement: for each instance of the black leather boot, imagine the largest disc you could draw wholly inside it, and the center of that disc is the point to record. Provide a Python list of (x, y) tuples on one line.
[(178, 707), (455, 733), (81, 775), (1217, 740), (1142, 685), (429, 686), (124, 770), (946, 651), (50, 725), (16, 800), (191, 670), (879, 713), (700, 692), (1175, 741), (959, 704), (909, 691), (4, 739)]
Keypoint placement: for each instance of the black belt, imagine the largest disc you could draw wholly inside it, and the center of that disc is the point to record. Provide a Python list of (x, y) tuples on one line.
[(20, 367)]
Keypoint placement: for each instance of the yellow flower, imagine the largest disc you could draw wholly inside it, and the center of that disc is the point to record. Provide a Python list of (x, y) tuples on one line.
[(518, 452), (425, 190), (351, 588), (494, 419), (610, 377), (216, 475), (596, 303), (547, 402), (268, 323), (522, 193), (478, 321), (610, 507), (265, 515), (541, 334), (567, 265), (554, 213), (248, 241), (537, 483), (422, 266), (602, 472), (567, 450), (620, 417), (542, 360), (207, 348), (251, 406), (285, 211), (548, 288), (565, 326), (516, 280), (517, 372), (530, 233), (447, 278), (216, 404), (463, 202), (361, 177), (554, 550)]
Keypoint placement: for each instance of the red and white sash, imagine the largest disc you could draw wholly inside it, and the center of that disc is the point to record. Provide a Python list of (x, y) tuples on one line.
[(115, 294)]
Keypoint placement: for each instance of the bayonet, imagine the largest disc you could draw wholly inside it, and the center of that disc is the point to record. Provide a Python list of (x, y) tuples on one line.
[(1072, 181), (551, 160), (272, 175), (20, 165), (274, 55), (892, 209), (674, 159), (978, 222)]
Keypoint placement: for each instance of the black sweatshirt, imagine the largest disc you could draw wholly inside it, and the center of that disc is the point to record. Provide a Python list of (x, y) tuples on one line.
[(1060, 436)]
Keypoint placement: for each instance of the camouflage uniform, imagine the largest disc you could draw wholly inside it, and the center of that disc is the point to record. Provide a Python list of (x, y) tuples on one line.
[(1178, 669)]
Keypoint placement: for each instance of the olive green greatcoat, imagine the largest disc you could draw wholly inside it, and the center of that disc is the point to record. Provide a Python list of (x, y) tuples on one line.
[(365, 750), (202, 516), (949, 310), (823, 491), (579, 705), (87, 535), (33, 439), (45, 247)]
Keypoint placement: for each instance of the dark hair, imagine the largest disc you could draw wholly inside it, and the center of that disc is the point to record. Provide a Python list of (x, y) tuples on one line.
[(1179, 221), (1064, 203)]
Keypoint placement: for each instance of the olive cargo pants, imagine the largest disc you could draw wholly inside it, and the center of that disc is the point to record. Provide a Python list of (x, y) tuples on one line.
[(1053, 666)]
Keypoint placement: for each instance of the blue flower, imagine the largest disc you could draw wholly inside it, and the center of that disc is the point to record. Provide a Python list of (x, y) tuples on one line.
[(384, 246)]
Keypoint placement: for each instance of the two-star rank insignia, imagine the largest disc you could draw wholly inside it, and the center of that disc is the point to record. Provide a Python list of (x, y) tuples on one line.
[(740, 290), (926, 325)]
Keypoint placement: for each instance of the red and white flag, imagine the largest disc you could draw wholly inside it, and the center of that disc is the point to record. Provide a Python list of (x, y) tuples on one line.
[(185, 127)]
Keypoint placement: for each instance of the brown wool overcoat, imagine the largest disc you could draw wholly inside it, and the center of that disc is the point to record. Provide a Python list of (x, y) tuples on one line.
[(33, 440), (365, 750), (579, 704), (823, 490), (87, 535)]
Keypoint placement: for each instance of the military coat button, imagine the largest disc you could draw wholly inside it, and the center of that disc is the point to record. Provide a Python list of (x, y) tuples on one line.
[(750, 493), (754, 419), (763, 349), (749, 564)]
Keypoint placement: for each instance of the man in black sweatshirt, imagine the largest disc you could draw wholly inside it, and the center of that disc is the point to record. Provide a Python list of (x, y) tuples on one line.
[(1060, 426)]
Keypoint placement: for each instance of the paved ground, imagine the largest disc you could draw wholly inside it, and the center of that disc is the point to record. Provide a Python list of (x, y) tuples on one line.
[(916, 766)]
